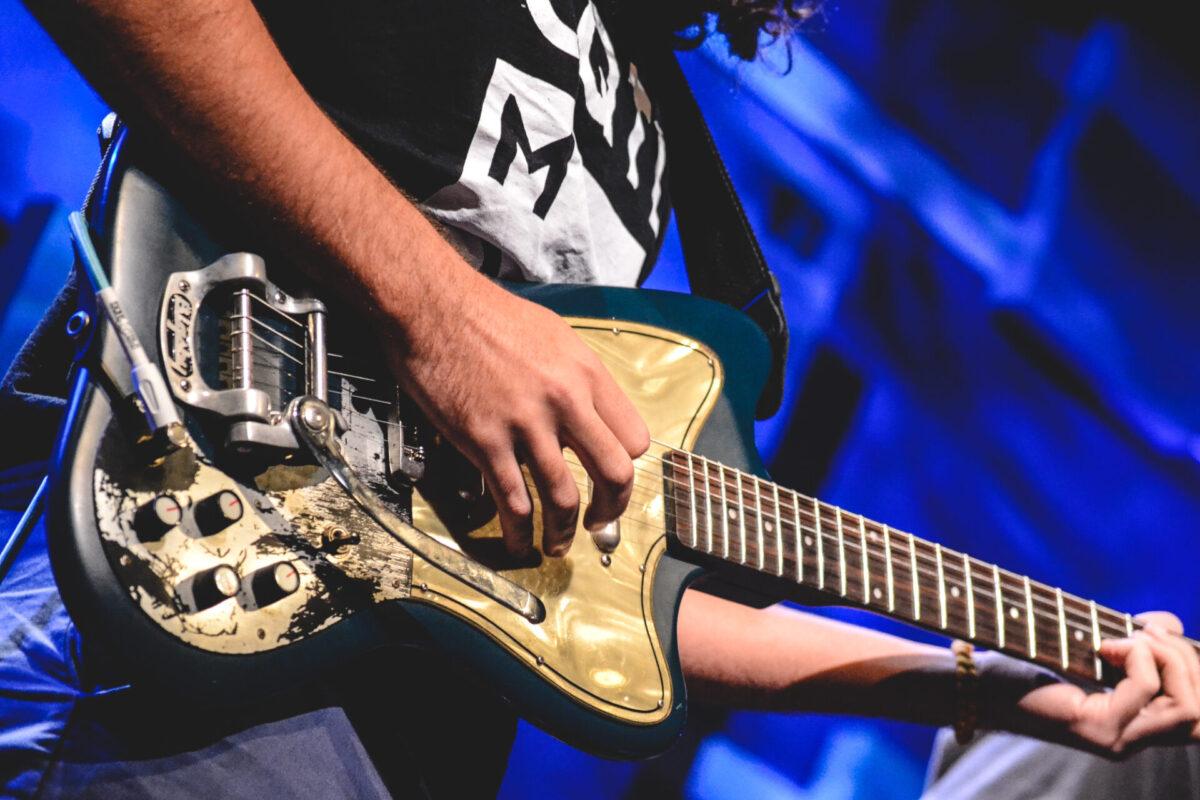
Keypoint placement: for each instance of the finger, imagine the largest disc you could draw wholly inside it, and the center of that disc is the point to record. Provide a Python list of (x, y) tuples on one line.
[(1161, 722), (506, 483), (1186, 652), (1162, 619), (617, 412), (608, 465), (1141, 682), (558, 492), (1176, 675), (1175, 708)]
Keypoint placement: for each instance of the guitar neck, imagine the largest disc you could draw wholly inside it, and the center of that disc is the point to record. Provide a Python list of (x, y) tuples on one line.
[(756, 525)]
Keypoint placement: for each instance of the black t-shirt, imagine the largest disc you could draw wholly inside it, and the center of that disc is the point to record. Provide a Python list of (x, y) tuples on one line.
[(526, 130), (523, 127)]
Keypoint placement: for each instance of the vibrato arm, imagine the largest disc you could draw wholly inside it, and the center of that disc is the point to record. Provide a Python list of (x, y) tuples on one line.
[(313, 422)]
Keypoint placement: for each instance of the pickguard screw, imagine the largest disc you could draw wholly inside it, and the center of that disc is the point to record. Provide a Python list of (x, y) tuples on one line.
[(279, 297), (184, 286), (641, 567), (185, 386), (605, 560), (660, 703), (424, 587), (541, 662), (335, 537)]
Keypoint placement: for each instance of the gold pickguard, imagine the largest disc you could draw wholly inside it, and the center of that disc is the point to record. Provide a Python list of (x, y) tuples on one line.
[(598, 642)]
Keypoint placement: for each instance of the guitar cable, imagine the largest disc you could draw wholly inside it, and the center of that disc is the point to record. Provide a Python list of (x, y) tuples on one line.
[(16, 540), (148, 381)]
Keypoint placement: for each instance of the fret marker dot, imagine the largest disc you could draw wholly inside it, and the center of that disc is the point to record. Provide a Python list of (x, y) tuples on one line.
[(733, 513), (874, 536), (1079, 636), (1014, 612), (954, 592), (877, 593), (767, 527), (808, 541)]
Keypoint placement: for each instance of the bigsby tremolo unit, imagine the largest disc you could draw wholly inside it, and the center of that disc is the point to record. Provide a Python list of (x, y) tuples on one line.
[(272, 394)]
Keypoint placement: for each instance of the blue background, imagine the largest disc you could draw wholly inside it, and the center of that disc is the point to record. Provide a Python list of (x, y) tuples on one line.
[(982, 216)]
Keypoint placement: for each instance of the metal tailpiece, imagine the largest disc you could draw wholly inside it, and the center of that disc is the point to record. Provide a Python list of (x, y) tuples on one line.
[(314, 424)]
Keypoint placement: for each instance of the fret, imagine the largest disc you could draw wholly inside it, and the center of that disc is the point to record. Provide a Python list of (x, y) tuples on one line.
[(916, 582), (890, 577), (1062, 630), (758, 527), (999, 603), (875, 564), (692, 501), (970, 597), (941, 587), (724, 514), (708, 527), (841, 551), (799, 537), (1080, 653), (778, 533), (866, 566), (820, 545), (1051, 616), (1016, 631), (741, 516), (1032, 643)]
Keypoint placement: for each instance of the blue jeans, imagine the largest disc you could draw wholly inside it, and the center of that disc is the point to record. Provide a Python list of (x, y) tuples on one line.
[(66, 732)]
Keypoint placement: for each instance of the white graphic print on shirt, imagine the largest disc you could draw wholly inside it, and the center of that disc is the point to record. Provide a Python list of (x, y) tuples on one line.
[(525, 198)]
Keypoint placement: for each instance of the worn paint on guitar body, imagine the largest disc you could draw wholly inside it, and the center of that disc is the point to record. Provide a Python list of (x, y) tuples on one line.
[(601, 671)]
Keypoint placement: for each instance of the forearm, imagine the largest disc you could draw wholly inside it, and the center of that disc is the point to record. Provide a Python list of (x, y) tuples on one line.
[(783, 659), (208, 76)]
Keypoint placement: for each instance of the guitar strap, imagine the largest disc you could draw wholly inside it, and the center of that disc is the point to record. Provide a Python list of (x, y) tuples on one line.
[(723, 259)]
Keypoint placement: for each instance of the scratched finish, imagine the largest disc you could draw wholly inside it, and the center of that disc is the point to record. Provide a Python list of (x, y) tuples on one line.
[(287, 510), (598, 643)]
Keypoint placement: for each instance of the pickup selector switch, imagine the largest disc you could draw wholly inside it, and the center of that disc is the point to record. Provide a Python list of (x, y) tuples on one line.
[(154, 519), (214, 585), (217, 512), (274, 583)]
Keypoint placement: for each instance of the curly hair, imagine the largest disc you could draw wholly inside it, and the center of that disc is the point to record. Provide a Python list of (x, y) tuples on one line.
[(741, 22)]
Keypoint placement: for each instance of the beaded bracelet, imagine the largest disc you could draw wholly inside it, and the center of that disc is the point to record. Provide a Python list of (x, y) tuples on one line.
[(966, 691)]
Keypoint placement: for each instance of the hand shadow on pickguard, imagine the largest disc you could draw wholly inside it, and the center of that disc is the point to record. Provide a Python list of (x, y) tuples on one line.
[(454, 489)]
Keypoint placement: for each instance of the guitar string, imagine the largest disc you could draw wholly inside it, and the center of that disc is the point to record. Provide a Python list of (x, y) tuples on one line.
[(288, 318), (951, 558), (293, 358), (1044, 608), (737, 475)]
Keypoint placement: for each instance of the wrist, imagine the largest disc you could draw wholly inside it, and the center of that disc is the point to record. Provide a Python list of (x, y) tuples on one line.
[(1003, 682)]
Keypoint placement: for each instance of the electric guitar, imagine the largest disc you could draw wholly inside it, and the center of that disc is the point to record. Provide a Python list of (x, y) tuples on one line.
[(303, 512)]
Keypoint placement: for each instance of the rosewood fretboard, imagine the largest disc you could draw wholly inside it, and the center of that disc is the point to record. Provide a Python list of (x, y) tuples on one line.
[(758, 525)]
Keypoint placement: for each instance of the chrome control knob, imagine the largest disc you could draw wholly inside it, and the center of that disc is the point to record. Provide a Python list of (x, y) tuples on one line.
[(217, 512), (154, 519), (213, 586), (273, 583)]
